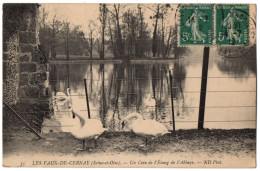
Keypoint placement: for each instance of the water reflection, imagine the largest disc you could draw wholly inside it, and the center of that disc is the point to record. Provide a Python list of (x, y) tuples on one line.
[(238, 67), (117, 89)]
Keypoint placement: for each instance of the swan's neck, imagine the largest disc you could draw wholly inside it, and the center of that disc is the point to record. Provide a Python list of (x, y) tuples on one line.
[(81, 119), (68, 92)]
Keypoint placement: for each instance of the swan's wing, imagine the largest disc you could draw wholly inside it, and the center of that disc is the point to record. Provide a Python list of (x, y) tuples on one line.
[(149, 128), (69, 124), (91, 129), (85, 132), (93, 123)]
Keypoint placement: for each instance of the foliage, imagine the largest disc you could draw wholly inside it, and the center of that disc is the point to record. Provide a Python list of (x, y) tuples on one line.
[(121, 32)]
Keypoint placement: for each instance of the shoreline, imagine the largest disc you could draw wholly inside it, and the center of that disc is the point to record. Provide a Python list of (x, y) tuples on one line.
[(191, 144), (234, 142), (109, 61)]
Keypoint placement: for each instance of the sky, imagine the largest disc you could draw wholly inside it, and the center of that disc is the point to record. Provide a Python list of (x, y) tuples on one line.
[(82, 14), (76, 14)]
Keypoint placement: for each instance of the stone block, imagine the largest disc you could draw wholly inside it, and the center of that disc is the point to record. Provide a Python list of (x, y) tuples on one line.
[(41, 68), (38, 78), (28, 92), (26, 48), (23, 79), (29, 22), (24, 58), (27, 67), (27, 37), (37, 57)]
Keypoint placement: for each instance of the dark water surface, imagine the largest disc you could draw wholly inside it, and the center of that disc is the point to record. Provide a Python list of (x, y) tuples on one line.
[(116, 90)]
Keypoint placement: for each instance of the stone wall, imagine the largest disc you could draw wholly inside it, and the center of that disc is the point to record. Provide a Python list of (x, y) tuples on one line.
[(25, 75)]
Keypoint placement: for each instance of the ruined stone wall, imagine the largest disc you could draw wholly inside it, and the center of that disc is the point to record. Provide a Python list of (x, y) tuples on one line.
[(10, 70), (24, 66)]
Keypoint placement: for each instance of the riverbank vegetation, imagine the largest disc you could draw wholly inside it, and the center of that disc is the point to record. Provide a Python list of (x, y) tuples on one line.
[(121, 31)]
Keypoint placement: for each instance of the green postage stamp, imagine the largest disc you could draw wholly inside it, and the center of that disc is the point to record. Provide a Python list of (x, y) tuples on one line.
[(231, 26), (232, 23), (196, 25)]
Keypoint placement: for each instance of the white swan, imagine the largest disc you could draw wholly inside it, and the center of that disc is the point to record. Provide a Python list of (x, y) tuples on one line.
[(144, 128), (86, 129), (81, 127)]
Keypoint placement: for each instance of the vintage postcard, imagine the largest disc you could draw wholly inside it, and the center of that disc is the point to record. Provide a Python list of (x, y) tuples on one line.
[(129, 85)]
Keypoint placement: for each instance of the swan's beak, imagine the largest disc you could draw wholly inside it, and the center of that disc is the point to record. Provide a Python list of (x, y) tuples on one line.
[(73, 115), (123, 124)]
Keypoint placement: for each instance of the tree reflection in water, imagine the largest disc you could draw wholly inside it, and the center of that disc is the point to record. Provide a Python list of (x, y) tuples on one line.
[(238, 67), (118, 89)]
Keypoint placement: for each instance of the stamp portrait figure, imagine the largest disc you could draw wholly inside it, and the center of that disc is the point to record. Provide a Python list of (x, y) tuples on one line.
[(232, 24), (229, 22), (193, 22), (196, 25)]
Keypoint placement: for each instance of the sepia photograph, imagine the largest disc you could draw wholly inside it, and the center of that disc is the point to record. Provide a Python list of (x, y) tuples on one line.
[(129, 85)]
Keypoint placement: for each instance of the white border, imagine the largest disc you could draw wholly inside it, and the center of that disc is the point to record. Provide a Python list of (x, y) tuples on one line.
[(117, 1)]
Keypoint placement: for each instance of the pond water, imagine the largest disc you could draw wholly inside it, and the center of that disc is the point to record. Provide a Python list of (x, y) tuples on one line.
[(117, 89)]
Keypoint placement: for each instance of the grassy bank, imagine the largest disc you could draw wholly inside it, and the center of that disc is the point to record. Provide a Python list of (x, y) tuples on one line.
[(209, 142), (17, 140)]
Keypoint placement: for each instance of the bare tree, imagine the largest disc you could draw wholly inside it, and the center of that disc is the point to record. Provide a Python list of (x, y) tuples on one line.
[(55, 29), (115, 12), (66, 37), (89, 42), (142, 32), (156, 16), (43, 18), (169, 44), (43, 34), (160, 10), (52, 50), (98, 46), (163, 15), (130, 29), (112, 41), (103, 18), (59, 37)]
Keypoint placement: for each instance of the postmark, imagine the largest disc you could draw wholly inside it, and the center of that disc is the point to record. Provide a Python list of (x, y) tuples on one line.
[(232, 24), (196, 25)]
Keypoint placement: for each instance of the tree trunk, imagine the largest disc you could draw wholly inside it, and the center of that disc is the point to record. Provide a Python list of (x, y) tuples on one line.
[(103, 30), (141, 37), (154, 45), (162, 44), (91, 45), (53, 53), (112, 40), (167, 51), (67, 43), (120, 44)]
